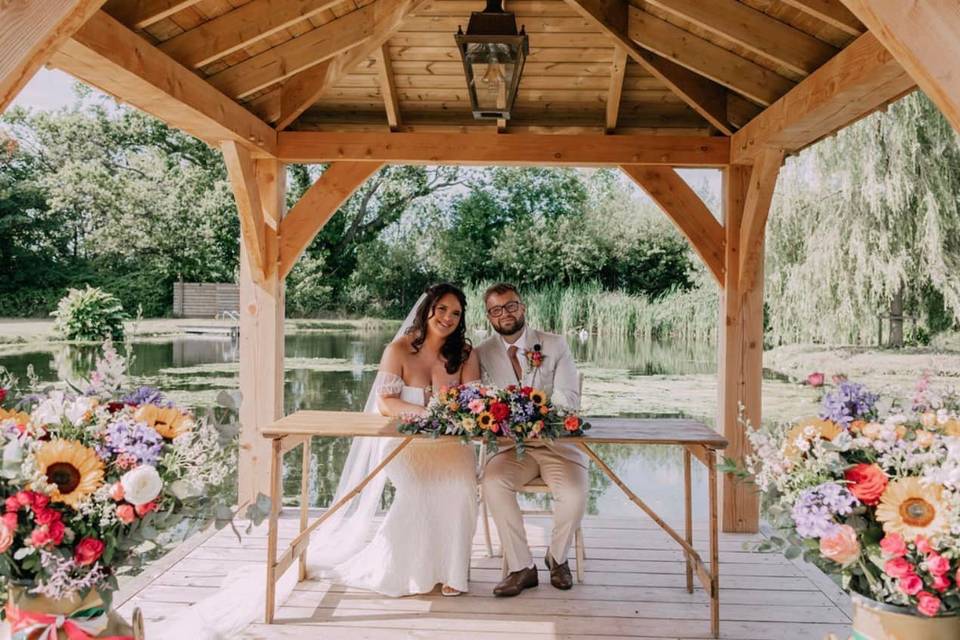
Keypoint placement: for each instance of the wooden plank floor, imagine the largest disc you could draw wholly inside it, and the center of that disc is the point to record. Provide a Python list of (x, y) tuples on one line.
[(634, 588)]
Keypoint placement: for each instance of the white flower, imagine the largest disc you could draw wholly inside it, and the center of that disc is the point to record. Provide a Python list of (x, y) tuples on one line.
[(141, 484), (77, 411), (50, 411)]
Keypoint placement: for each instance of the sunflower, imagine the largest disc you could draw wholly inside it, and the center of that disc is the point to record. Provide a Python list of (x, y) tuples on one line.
[(910, 509), (485, 420), (951, 427), (824, 429), (75, 470), (17, 416), (538, 397), (169, 422)]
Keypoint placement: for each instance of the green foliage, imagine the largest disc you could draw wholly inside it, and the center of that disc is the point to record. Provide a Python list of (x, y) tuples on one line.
[(89, 315)]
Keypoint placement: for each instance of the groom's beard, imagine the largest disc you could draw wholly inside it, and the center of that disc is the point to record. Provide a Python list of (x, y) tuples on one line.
[(513, 329)]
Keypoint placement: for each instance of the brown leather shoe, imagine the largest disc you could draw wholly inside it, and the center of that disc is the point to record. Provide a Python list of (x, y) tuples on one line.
[(516, 582), (559, 573)]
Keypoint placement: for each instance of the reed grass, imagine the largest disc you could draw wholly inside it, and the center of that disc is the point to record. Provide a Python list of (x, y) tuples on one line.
[(683, 315)]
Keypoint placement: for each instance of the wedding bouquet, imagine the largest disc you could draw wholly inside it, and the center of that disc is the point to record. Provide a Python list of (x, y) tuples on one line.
[(870, 491), (93, 478), (479, 411)]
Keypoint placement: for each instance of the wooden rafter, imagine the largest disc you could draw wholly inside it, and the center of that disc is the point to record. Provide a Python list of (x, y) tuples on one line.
[(240, 28), (513, 149), (32, 31), (706, 58), (830, 11), (756, 208), (618, 70), (924, 37), (107, 55), (306, 87), (854, 83), (387, 87), (704, 96), (140, 14), (253, 226), (287, 59), (754, 30), (685, 208), (334, 186)]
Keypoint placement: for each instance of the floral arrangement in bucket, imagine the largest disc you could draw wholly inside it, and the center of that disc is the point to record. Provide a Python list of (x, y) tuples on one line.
[(516, 413), (869, 491), (91, 480)]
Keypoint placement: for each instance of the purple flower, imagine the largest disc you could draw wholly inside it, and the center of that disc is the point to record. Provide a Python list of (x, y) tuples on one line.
[(147, 395), (848, 402), (136, 439), (814, 511)]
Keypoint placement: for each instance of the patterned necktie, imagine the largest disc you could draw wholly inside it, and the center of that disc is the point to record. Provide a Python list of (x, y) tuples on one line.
[(512, 355)]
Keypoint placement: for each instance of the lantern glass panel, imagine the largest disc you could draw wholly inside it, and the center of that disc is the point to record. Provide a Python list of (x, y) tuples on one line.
[(492, 67)]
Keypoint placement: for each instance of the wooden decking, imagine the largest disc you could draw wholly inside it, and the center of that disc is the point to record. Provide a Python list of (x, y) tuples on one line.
[(634, 588)]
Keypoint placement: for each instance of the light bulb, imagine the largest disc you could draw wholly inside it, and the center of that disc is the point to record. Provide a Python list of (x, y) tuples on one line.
[(494, 74)]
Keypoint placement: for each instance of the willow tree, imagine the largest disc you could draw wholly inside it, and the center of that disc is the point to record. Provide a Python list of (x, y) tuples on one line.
[(866, 226)]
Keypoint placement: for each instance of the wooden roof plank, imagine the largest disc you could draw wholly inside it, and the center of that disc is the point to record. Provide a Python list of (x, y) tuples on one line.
[(831, 12), (32, 31), (140, 14), (706, 58), (111, 57), (754, 30), (704, 96), (239, 28), (854, 83)]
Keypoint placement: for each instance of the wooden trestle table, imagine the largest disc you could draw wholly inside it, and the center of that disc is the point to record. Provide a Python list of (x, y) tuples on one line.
[(297, 429)]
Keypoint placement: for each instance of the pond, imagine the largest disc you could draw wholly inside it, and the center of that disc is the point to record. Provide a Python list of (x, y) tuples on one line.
[(334, 370)]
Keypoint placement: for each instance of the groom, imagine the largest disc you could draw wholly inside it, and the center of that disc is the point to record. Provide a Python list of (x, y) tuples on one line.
[(506, 358)]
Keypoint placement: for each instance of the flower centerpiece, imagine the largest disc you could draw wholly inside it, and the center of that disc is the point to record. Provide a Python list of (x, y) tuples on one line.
[(91, 479), (869, 491), (480, 411)]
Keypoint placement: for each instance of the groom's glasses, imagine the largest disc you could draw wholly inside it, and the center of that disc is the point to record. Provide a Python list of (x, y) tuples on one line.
[(510, 307)]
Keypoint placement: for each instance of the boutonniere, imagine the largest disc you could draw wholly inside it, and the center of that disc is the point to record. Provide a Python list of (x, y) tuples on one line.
[(535, 356)]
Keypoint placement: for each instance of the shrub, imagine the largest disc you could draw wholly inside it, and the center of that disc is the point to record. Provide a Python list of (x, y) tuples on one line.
[(89, 314)]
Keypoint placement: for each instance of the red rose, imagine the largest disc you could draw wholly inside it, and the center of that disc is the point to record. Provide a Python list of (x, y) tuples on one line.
[(46, 516), (113, 407), (867, 482), (526, 391), (500, 411), (571, 423), (40, 500), (145, 508), (88, 551), (57, 530), (3, 395)]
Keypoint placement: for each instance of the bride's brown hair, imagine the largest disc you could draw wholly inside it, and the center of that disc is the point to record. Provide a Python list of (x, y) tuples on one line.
[(456, 348)]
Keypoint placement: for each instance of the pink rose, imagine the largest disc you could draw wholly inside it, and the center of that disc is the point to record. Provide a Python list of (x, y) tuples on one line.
[(88, 551), (941, 583), (40, 501), (923, 545), (116, 492), (815, 379), (10, 519), (40, 537), (46, 516), (928, 604), (126, 514), (937, 564), (893, 545), (11, 504), (842, 547), (57, 531), (911, 584), (24, 498), (6, 537), (476, 406), (898, 568)]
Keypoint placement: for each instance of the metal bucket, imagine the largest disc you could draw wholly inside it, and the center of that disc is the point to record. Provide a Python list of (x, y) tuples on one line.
[(876, 621)]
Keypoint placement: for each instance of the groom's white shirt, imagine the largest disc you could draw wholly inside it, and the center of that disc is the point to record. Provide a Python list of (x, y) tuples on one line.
[(557, 376)]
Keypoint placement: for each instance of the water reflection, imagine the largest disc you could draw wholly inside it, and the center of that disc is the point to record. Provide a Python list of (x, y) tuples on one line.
[(335, 371)]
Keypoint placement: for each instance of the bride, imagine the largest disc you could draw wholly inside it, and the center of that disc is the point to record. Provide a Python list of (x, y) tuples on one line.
[(426, 536)]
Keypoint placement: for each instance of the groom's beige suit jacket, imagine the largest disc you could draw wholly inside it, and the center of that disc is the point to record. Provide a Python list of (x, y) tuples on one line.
[(557, 376)]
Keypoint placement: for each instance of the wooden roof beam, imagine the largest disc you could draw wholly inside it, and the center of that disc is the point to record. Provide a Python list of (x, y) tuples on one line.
[(388, 88), (239, 28), (831, 12), (618, 70), (854, 83), (924, 37), (706, 58), (140, 14), (32, 31), (514, 149), (707, 98), (111, 57), (753, 30)]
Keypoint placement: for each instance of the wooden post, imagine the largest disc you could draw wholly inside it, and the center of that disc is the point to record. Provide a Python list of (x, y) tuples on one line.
[(261, 333)]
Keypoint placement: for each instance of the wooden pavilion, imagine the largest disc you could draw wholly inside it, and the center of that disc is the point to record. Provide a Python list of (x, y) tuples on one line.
[(646, 85)]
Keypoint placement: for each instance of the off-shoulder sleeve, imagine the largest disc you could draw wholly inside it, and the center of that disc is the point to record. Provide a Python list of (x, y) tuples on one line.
[(387, 384)]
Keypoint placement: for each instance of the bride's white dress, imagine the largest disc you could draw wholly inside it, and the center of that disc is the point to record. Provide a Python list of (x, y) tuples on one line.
[(426, 537)]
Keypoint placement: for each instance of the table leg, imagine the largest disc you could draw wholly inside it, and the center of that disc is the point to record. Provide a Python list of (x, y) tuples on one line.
[(304, 501), (714, 547), (276, 498), (688, 515)]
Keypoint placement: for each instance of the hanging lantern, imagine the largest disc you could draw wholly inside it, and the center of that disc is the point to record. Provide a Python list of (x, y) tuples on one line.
[(493, 54)]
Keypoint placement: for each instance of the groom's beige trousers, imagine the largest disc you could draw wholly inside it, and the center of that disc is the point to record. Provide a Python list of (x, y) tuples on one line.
[(568, 482)]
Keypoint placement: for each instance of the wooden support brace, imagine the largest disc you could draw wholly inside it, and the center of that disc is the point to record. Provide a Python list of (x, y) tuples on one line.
[(756, 208), (253, 228)]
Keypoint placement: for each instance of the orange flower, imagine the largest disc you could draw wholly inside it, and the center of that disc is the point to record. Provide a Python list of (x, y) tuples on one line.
[(867, 482), (571, 423), (169, 422)]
